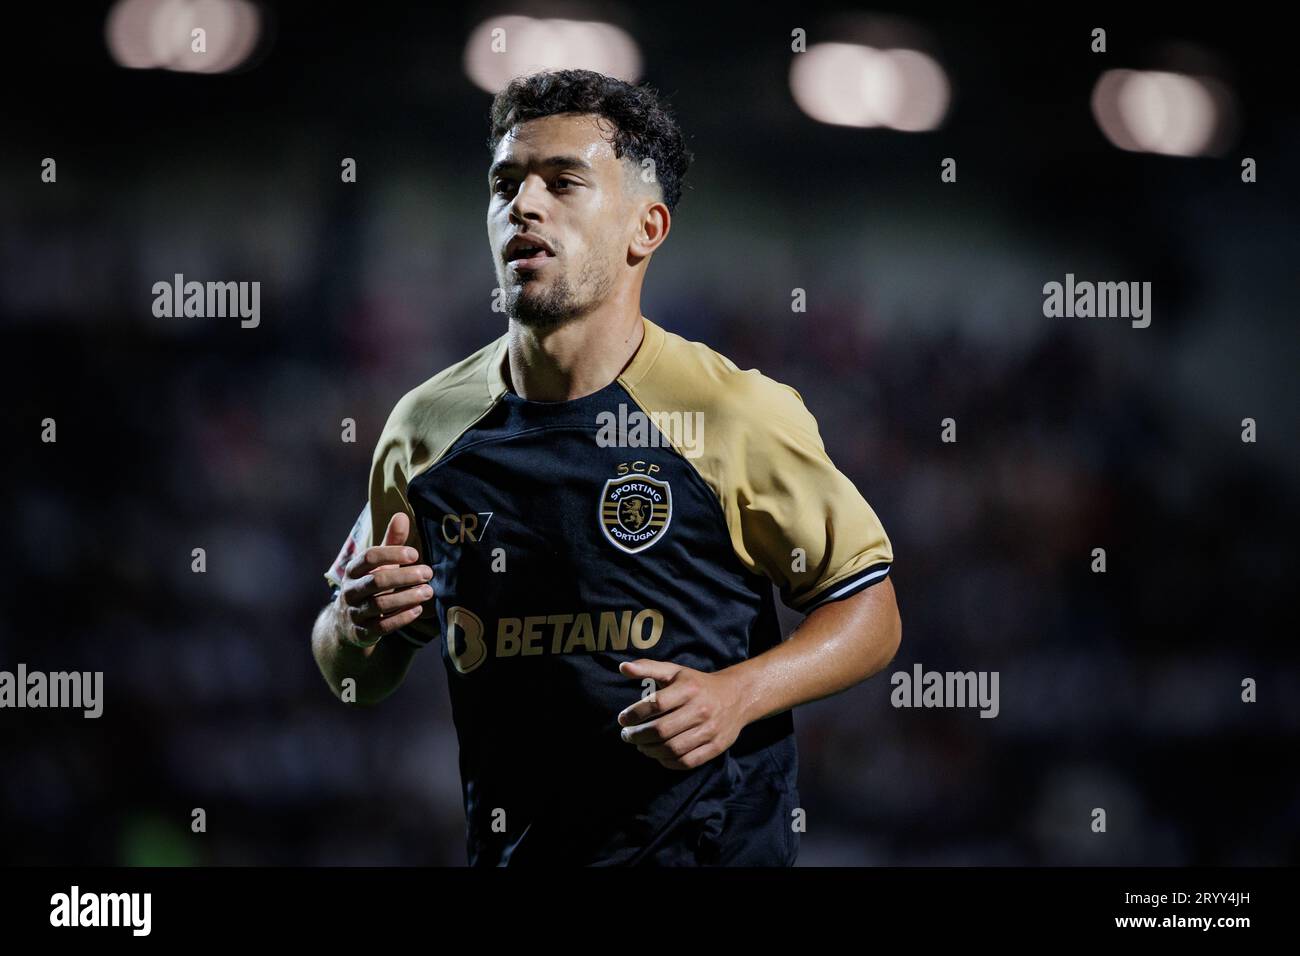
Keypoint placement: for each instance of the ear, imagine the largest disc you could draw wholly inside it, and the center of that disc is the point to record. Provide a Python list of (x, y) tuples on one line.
[(653, 223)]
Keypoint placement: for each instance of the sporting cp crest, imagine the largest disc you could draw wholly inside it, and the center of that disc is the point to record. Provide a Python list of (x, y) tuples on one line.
[(635, 511)]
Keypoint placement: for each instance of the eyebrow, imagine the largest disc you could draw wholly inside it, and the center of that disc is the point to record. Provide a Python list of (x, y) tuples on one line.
[(564, 162)]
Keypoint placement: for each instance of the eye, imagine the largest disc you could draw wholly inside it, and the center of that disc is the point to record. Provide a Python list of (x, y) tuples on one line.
[(500, 183), (564, 181)]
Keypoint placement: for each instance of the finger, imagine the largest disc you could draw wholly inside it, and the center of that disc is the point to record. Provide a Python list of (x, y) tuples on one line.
[(647, 709), (389, 603), (662, 729), (376, 557), (395, 601), (699, 755), (399, 526), (393, 621), (386, 625), (660, 671), (390, 578), (356, 591), (662, 701), (680, 745)]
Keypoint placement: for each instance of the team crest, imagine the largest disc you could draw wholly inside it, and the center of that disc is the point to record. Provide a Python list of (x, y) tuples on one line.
[(635, 511)]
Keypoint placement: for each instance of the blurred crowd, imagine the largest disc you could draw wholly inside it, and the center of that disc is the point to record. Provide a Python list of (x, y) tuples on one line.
[(1119, 690)]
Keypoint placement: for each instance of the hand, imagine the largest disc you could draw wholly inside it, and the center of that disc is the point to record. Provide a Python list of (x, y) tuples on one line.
[(690, 718), (383, 588)]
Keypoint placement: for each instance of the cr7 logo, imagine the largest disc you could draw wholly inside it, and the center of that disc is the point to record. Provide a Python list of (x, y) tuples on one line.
[(457, 529)]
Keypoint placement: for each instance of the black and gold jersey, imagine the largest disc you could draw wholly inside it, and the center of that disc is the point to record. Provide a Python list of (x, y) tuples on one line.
[(649, 519)]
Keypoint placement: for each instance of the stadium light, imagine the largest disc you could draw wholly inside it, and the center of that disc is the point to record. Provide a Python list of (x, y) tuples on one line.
[(852, 84), (187, 36), (1155, 111), (502, 48)]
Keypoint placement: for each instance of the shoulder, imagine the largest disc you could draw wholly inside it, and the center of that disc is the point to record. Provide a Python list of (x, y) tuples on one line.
[(691, 376), (431, 416)]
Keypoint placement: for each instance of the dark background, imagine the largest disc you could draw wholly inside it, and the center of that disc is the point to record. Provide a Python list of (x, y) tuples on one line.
[(1118, 690)]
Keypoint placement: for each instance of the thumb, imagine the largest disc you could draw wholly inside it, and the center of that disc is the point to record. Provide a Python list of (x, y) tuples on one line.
[(398, 528)]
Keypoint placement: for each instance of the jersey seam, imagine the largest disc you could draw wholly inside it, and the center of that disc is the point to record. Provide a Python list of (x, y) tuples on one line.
[(410, 483), (710, 494), (494, 439)]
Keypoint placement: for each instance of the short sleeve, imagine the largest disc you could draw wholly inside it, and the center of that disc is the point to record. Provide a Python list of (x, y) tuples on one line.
[(794, 516), (388, 483)]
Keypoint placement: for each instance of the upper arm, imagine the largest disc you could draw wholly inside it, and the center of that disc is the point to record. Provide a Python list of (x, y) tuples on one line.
[(794, 516)]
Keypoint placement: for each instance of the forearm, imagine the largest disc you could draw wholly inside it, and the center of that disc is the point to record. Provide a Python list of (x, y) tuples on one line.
[(377, 670), (838, 645)]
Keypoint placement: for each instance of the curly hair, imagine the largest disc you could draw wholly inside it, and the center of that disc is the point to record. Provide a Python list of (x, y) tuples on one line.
[(644, 128)]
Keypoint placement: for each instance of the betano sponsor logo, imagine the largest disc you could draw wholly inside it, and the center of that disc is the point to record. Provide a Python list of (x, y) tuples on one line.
[(577, 633), (583, 632)]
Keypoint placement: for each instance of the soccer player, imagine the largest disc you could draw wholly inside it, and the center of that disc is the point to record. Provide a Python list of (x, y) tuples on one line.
[(588, 516)]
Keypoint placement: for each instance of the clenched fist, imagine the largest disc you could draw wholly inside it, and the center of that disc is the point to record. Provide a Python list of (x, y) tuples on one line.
[(383, 588)]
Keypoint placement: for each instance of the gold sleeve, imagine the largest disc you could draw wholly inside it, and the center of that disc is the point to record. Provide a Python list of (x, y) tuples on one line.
[(793, 515), (421, 428), (390, 472)]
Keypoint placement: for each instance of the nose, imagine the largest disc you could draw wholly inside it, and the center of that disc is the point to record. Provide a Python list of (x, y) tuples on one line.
[(526, 205)]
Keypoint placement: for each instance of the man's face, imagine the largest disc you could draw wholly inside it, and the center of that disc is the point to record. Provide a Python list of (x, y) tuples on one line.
[(557, 178)]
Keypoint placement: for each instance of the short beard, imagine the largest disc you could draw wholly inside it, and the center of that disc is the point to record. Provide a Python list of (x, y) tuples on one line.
[(559, 304)]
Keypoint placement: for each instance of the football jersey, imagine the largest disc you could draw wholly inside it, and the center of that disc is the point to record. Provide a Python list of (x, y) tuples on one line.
[(649, 519)]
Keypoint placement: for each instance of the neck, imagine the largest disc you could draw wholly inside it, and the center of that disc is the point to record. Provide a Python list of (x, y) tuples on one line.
[(575, 359)]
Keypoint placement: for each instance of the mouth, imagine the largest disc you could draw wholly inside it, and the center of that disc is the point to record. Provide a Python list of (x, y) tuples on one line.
[(527, 252), (529, 262)]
